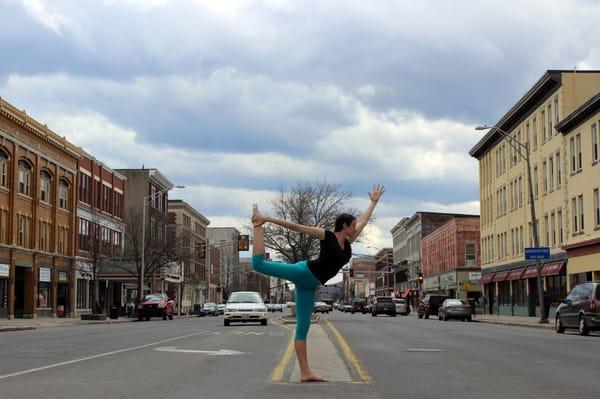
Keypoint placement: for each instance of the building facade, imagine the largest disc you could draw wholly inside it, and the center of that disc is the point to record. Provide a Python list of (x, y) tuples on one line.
[(226, 240), (557, 173), (450, 259), (100, 233), (190, 233), (38, 171), (384, 278)]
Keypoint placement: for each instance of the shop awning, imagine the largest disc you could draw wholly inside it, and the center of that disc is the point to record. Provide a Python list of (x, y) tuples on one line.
[(515, 274), (406, 292), (530, 272), (554, 268), (501, 276), (486, 278)]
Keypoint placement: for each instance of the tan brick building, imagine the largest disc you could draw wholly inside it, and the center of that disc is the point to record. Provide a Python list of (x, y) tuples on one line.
[(38, 171), (559, 188)]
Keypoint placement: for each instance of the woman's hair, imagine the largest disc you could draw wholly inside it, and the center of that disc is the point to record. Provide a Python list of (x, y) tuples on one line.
[(343, 219)]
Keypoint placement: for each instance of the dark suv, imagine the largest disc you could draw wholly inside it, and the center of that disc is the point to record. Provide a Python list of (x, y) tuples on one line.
[(359, 306), (430, 305), (580, 309), (383, 305)]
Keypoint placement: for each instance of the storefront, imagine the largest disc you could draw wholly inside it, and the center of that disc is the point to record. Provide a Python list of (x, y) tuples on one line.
[(44, 292), (83, 288), (63, 290), (4, 273)]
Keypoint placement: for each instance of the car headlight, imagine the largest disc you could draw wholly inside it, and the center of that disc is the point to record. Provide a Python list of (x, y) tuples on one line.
[(161, 305)]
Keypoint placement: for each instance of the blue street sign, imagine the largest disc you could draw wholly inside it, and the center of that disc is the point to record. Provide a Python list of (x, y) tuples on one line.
[(542, 253)]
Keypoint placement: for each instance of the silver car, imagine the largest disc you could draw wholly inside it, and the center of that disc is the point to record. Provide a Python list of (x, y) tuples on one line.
[(245, 306), (455, 309)]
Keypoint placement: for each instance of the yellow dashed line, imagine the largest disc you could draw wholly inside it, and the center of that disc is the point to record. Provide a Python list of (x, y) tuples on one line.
[(362, 372)]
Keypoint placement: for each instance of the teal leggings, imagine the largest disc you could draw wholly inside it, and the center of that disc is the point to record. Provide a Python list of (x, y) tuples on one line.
[(305, 286)]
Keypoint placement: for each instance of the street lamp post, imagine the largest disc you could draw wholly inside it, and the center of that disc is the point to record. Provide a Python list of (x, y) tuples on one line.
[(146, 199), (523, 150)]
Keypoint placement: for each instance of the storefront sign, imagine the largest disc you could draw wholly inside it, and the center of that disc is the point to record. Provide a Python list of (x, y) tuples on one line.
[(63, 277), (44, 275), (448, 280), (4, 269), (475, 276), (431, 283)]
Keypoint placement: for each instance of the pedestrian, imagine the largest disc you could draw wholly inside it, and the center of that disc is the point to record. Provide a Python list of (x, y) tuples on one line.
[(307, 275)]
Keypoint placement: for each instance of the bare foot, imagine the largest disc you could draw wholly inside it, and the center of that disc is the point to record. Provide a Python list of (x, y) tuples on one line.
[(313, 378)]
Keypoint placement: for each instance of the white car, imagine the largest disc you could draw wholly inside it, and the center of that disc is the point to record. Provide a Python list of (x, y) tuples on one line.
[(277, 307), (245, 306), (401, 306)]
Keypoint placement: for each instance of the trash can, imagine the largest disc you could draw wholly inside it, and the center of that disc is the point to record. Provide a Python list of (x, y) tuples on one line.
[(114, 312)]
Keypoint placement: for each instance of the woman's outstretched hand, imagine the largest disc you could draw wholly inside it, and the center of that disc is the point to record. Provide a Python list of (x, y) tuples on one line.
[(377, 193), (257, 218)]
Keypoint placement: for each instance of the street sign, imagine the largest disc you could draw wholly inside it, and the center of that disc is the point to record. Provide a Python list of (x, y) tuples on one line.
[(542, 253)]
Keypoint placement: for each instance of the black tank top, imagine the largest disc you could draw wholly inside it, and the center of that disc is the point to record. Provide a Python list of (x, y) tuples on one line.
[(331, 258)]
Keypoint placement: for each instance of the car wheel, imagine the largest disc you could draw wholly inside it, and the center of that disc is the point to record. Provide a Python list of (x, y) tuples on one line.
[(226, 323), (171, 316), (439, 317), (558, 325), (469, 319), (420, 316), (263, 322), (426, 315), (164, 316), (140, 318), (583, 329), (445, 317)]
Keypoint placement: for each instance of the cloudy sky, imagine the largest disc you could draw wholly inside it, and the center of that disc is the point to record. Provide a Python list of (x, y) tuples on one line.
[(234, 99)]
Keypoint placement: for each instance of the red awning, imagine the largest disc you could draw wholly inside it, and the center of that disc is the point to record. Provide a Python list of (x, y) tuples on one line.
[(486, 278), (531, 272), (515, 274), (501, 276), (406, 292), (554, 268)]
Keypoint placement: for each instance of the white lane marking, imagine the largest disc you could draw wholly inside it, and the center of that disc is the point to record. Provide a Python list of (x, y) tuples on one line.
[(424, 350), (220, 352), (50, 366)]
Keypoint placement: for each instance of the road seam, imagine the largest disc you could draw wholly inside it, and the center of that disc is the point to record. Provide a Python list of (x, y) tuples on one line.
[(349, 354)]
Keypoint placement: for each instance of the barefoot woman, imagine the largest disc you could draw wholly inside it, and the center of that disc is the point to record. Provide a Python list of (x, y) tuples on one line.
[(335, 252)]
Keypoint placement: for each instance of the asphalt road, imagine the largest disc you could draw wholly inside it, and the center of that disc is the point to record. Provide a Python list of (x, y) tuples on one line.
[(199, 358)]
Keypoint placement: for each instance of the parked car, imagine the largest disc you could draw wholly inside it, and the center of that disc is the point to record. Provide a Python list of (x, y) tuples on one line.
[(321, 307), (346, 307), (401, 306), (277, 307), (245, 306), (455, 309), (580, 309), (209, 309), (359, 306), (383, 305), (155, 305), (221, 308), (430, 305)]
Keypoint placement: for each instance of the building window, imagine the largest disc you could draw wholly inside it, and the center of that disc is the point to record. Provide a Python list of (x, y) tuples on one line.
[(63, 240), (4, 226), (85, 188), (556, 115), (117, 240), (118, 205), (543, 118), (535, 182), (578, 151), (3, 293), (471, 254), (546, 230), (4, 168), (553, 228), (24, 231), (25, 170), (574, 213), (573, 155), (43, 298), (519, 292), (521, 239), (45, 234), (83, 289), (597, 208), (549, 121), (45, 186), (535, 134), (545, 176), (560, 226), (84, 227), (594, 143), (63, 194), (558, 169), (580, 203), (551, 173), (520, 191)]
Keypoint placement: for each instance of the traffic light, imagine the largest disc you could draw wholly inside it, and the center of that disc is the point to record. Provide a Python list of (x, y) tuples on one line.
[(420, 278), (202, 250), (244, 242), (351, 272)]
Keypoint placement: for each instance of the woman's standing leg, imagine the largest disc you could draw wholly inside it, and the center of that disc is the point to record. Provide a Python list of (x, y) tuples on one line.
[(305, 302)]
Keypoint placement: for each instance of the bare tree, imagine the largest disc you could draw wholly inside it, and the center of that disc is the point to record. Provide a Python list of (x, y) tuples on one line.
[(309, 204)]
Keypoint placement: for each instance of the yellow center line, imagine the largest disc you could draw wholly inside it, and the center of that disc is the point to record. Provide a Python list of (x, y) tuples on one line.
[(362, 372), (277, 374)]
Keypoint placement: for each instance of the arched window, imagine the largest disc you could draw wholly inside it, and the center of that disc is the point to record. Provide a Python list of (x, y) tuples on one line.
[(63, 194), (25, 170), (4, 168), (45, 186)]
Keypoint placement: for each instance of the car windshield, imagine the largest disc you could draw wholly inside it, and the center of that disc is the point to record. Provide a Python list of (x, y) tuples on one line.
[(244, 298), (151, 298), (400, 301), (209, 305), (384, 299), (453, 302)]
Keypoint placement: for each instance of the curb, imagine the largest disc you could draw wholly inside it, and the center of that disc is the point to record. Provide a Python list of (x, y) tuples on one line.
[(502, 323), (9, 329)]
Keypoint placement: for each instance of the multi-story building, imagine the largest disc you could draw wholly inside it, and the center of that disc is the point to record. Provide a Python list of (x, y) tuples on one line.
[(190, 233), (214, 261), (362, 283), (226, 239), (100, 233), (558, 174), (450, 259), (38, 171), (407, 235), (330, 292), (384, 276), (145, 188)]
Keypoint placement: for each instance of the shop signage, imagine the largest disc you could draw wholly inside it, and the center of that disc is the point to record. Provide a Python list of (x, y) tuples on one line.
[(4, 269), (475, 276), (63, 276), (448, 280), (44, 275)]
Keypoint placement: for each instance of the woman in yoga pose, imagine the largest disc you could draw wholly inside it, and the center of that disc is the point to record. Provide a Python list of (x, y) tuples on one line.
[(335, 252)]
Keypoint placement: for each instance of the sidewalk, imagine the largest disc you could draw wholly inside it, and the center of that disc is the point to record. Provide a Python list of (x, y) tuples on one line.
[(519, 321), (47, 322)]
